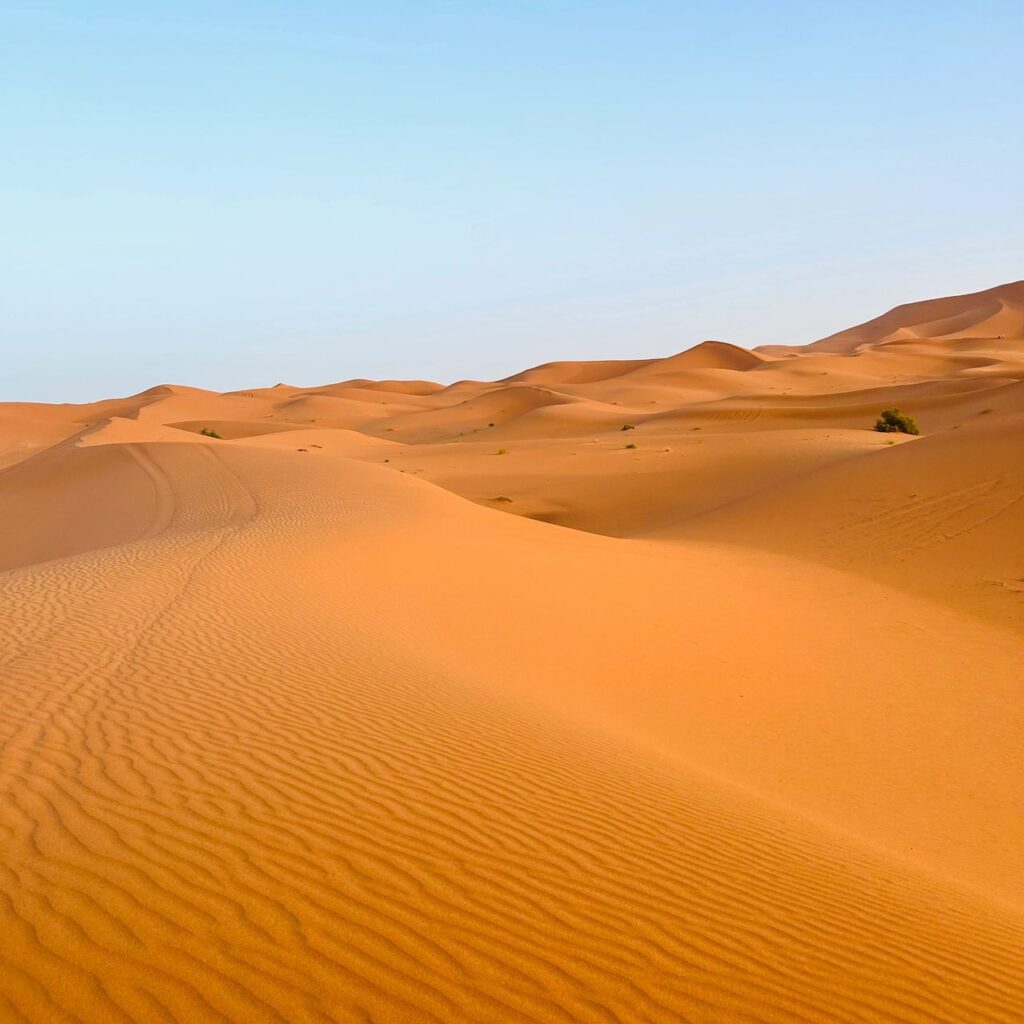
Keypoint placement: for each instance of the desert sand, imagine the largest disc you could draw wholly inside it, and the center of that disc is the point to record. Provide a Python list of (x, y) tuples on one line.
[(646, 690)]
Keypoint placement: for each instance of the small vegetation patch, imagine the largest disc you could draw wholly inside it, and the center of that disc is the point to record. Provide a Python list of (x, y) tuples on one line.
[(501, 451), (892, 421), (628, 426), (630, 445), (209, 432)]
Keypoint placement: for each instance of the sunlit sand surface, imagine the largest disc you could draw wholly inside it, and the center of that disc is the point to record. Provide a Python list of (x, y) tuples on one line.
[(655, 690)]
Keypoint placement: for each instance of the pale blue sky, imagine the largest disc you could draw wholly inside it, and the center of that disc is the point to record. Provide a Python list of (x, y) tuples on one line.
[(231, 194)]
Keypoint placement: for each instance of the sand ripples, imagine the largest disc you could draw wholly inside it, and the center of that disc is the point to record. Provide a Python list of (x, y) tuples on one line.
[(230, 796)]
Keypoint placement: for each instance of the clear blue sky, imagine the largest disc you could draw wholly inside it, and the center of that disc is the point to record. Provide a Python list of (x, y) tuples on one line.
[(231, 194)]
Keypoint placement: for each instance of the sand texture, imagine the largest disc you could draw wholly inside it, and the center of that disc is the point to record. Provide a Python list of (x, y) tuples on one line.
[(651, 690)]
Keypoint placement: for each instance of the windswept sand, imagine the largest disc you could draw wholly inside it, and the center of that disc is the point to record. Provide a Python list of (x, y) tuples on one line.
[(345, 716)]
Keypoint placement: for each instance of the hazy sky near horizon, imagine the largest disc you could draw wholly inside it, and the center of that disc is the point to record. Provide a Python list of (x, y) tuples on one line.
[(229, 194)]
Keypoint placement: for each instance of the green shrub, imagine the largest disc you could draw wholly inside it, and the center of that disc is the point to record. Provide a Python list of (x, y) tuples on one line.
[(628, 426), (892, 421), (207, 432)]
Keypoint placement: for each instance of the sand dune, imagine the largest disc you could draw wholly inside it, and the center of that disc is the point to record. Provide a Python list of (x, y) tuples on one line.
[(708, 355), (997, 313), (640, 690), (589, 372)]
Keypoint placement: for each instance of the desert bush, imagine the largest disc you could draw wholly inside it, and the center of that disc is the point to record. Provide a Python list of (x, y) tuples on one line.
[(628, 426), (630, 445), (207, 432), (892, 421), (501, 451)]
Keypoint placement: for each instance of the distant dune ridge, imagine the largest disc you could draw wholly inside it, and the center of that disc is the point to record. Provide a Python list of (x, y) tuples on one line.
[(621, 691)]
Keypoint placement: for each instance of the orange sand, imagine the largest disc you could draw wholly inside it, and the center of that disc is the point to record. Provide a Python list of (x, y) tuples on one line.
[(344, 716)]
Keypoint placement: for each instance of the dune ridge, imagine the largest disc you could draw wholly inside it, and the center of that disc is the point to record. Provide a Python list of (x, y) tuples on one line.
[(642, 690)]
